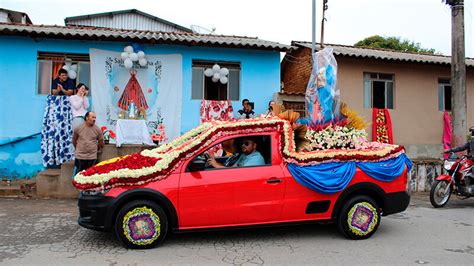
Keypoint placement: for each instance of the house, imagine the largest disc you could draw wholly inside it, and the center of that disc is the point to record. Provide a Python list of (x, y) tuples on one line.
[(11, 16), (414, 87), (125, 19), (172, 78)]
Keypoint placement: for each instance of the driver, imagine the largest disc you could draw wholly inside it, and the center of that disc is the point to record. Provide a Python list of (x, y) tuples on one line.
[(249, 157)]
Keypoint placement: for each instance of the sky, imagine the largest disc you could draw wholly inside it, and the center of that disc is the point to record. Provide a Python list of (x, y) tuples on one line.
[(427, 22)]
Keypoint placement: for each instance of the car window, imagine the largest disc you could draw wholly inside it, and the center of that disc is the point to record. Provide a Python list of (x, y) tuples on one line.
[(245, 151)]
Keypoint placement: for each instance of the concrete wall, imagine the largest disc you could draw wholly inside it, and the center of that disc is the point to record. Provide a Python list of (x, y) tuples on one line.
[(23, 108), (417, 123)]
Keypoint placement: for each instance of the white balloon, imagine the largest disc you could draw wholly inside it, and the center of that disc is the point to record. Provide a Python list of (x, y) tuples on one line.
[(66, 67), (142, 61), (134, 57), (73, 67), (216, 76), (224, 71), (72, 74), (141, 54), (124, 55), (128, 49), (216, 68), (224, 80), (128, 63), (214, 79), (208, 72)]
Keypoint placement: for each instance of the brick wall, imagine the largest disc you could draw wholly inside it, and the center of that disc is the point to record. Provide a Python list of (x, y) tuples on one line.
[(296, 71)]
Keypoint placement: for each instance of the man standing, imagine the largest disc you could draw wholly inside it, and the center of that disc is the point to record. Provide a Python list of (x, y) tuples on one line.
[(246, 111), (87, 140), (62, 85)]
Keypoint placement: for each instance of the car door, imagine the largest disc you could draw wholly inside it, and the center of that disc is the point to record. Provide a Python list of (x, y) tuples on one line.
[(231, 196)]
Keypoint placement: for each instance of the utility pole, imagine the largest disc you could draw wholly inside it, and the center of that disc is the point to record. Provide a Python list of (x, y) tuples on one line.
[(325, 7), (458, 72), (313, 44)]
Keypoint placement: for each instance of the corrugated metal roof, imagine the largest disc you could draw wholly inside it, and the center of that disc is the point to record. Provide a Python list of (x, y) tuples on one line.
[(105, 34), (386, 54)]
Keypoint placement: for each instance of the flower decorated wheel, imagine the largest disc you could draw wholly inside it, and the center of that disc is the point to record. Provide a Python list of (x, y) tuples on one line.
[(359, 218), (141, 224)]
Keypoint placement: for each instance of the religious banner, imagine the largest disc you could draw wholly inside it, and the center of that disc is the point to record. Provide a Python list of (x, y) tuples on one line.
[(381, 126), (154, 90)]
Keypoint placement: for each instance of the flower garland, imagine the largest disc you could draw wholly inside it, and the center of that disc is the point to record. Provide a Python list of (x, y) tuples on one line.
[(155, 164)]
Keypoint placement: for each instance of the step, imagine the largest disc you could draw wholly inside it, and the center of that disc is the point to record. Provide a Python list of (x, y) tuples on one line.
[(10, 191)]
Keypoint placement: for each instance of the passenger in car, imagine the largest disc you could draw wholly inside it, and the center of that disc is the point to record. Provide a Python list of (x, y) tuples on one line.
[(249, 157)]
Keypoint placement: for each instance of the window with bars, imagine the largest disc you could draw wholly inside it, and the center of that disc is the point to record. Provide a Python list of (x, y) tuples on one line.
[(49, 64), (295, 106), (444, 95), (203, 88), (378, 90)]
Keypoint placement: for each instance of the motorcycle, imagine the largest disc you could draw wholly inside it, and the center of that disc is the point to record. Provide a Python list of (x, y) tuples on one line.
[(458, 180)]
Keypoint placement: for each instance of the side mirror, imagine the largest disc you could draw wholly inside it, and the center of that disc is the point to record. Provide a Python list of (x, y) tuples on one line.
[(196, 165)]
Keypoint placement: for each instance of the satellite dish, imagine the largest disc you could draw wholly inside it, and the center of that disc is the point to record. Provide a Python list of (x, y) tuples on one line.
[(201, 30)]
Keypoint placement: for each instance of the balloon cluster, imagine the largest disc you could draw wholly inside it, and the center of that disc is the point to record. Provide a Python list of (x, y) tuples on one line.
[(70, 68), (217, 73), (131, 55)]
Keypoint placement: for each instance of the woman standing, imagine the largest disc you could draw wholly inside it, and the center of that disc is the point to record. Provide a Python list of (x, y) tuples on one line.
[(80, 104), (269, 112)]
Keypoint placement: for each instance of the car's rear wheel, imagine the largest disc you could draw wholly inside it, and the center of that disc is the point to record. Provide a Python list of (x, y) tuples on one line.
[(141, 224), (359, 218)]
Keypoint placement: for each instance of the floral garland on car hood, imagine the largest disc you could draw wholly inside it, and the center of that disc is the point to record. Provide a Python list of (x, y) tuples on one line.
[(156, 164)]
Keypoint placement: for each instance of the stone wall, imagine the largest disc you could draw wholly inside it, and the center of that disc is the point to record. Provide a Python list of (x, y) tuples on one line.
[(423, 173)]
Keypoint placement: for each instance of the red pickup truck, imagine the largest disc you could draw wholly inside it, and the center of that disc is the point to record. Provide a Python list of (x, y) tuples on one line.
[(142, 197)]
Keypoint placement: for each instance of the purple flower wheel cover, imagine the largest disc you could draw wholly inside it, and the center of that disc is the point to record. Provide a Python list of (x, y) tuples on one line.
[(362, 218), (141, 226)]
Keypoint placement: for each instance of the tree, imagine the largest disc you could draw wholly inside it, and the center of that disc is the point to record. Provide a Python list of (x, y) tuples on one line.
[(393, 43)]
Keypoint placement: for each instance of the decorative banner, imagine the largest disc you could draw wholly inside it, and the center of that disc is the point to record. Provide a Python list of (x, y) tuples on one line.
[(154, 89), (216, 110), (447, 133), (381, 126)]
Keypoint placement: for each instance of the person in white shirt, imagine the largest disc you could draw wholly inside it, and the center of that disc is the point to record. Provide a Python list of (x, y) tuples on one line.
[(80, 104)]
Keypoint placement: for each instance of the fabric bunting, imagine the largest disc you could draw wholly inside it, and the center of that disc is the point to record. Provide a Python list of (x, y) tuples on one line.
[(328, 178), (325, 178)]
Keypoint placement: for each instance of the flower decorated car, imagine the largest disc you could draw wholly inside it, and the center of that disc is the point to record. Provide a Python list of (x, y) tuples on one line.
[(143, 196)]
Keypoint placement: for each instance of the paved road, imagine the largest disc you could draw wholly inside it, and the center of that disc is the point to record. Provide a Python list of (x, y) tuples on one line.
[(45, 232)]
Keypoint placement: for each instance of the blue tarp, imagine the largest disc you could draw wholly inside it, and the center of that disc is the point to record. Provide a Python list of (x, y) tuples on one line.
[(333, 177)]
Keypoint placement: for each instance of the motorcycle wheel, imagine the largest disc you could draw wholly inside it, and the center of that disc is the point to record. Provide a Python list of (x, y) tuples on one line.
[(440, 193)]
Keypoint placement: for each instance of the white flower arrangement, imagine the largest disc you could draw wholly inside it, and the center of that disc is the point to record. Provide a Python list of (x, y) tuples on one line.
[(337, 137)]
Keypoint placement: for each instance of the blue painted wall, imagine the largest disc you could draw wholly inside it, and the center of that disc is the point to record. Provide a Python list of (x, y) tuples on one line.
[(22, 107)]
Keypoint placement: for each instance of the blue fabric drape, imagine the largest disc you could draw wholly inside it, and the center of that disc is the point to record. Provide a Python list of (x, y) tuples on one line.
[(386, 170), (324, 178), (330, 178)]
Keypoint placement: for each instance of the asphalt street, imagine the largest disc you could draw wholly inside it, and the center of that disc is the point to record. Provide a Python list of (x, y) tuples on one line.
[(45, 232)]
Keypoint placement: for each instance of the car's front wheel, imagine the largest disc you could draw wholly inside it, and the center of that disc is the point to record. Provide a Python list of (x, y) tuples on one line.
[(141, 224), (359, 218)]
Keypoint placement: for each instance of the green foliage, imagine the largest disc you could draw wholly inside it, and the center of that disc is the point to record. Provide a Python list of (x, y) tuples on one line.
[(393, 43)]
